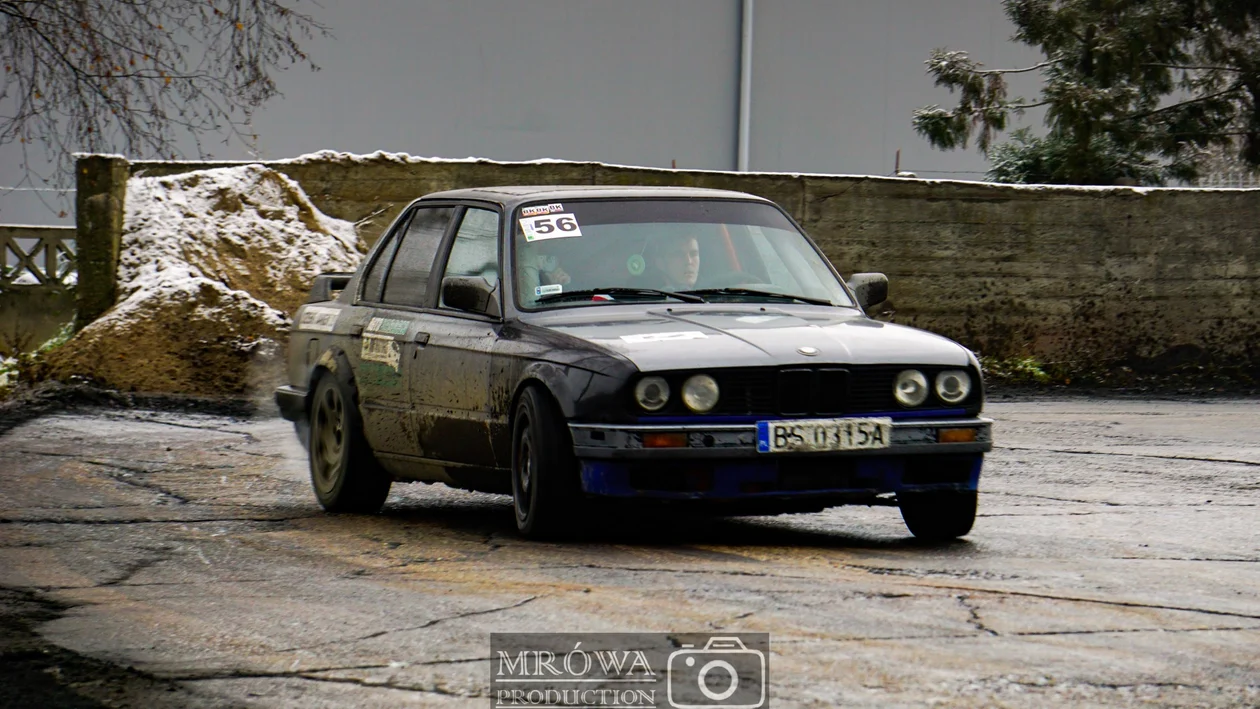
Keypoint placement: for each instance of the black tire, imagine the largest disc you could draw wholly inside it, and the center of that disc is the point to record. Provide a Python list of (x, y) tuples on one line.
[(938, 516), (344, 473), (302, 428), (546, 488)]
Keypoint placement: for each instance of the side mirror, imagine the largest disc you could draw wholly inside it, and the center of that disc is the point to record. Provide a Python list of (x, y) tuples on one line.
[(471, 293), (870, 288), (328, 286)]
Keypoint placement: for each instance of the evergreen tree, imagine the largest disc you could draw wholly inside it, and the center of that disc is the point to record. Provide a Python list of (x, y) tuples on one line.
[(1134, 91)]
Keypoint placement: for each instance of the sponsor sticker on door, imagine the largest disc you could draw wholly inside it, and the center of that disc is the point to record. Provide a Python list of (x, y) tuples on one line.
[(318, 319), (380, 348)]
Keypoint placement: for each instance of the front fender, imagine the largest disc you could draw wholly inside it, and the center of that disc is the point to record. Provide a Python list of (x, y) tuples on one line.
[(580, 393)]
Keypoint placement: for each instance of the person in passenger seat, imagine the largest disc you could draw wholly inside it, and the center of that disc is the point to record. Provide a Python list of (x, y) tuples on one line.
[(540, 268)]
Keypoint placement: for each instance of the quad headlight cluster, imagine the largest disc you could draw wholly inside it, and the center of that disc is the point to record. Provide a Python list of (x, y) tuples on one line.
[(700, 393), (910, 388)]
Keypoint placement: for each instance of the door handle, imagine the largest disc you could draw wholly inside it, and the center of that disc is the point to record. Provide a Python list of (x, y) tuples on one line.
[(421, 338)]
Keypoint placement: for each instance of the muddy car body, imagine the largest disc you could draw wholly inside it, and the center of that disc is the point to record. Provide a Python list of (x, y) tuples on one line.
[(659, 345)]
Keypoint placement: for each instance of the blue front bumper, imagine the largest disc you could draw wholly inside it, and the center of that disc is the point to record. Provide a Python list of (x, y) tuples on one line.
[(856, 477)]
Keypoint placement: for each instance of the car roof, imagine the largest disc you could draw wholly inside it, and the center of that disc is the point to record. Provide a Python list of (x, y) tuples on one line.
[(510, 195)]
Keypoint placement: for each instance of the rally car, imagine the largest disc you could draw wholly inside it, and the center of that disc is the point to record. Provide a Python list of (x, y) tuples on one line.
[(645, 345)]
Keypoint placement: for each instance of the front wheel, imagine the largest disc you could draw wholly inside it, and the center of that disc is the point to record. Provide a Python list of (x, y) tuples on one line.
[(938, 516), (344, 472), (545, 482)]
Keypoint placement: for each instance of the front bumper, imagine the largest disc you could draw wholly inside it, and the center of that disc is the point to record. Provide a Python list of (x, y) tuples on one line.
[(721, 464), (909, 437)]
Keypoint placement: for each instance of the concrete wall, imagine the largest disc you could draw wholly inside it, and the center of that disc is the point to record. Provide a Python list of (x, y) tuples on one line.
[(1067, 275), (31, 314)]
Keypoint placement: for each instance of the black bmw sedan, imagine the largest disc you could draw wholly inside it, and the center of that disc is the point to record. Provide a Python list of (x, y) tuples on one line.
[(580, 345)]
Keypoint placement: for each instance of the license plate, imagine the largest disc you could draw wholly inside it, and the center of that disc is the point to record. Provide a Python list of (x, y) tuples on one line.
[(823, 435)]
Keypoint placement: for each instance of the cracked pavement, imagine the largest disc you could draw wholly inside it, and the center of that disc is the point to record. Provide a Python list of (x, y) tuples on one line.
[(163, 559)]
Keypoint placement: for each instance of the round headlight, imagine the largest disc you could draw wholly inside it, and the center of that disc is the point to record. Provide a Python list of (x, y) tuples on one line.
[(652, 393), (700, 393), (910, 388), (953, 386)]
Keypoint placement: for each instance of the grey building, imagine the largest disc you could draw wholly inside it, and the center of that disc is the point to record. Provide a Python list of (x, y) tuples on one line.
[(830, 84)]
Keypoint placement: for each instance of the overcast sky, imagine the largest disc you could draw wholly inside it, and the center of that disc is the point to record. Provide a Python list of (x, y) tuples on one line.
[(642, 82)]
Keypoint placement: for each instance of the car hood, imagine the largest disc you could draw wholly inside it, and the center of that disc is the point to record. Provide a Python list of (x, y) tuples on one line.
[(658, 338)]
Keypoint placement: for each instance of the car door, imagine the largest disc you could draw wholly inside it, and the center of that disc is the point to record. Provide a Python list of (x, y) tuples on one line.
[(388, 337), (449, 378)]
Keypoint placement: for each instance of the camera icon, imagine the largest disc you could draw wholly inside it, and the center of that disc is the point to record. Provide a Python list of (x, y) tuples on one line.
[(723, 675)]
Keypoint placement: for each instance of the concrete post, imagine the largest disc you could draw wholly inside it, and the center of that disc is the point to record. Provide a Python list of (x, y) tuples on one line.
[(101, 191)]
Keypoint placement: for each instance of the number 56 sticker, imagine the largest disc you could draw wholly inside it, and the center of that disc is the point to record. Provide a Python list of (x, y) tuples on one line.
[(550, 226)]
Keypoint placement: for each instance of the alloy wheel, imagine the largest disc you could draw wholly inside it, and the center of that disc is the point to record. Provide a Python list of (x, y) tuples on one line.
[(524, 473), (328, 437)]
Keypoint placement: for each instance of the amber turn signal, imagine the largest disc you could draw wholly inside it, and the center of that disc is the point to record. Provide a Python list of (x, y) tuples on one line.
[(956, 435), (664, 440)]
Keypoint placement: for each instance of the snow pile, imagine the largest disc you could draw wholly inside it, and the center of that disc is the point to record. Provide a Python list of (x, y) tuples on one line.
[(212, 265), (8, 372)]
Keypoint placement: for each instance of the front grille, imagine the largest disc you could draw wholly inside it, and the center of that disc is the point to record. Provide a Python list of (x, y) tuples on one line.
[(796, 395), (810, 391), (871, 388), (743, 391)]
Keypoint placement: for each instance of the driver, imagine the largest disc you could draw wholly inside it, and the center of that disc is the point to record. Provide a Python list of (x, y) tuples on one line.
[(676, 261)]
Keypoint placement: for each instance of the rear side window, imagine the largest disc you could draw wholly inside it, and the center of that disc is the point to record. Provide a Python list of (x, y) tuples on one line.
[(376, 272), (408, 279)]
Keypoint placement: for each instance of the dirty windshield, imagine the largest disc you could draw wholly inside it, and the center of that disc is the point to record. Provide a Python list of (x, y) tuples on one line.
[(587, 252)]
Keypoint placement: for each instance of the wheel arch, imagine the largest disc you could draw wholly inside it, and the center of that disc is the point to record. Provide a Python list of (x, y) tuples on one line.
[(333, 362), (555, 380)]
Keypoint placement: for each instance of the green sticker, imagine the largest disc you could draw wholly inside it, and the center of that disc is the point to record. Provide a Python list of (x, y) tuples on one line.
[(387, 326), (636, 265)]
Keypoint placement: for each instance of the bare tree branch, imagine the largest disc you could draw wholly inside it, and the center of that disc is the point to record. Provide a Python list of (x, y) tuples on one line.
[(138, 76)]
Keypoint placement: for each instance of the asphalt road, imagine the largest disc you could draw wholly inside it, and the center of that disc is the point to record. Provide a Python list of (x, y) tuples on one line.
[(159, 559)]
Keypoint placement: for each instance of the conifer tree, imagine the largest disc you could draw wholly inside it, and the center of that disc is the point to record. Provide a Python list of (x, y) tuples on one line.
[(1134, 91)]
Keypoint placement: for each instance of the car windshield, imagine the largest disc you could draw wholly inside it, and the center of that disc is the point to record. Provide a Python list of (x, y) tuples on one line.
[(584, 252)]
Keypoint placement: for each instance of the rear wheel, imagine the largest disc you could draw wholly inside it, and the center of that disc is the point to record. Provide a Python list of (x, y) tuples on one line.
[(938, 516), (545, 483), (344, 473)]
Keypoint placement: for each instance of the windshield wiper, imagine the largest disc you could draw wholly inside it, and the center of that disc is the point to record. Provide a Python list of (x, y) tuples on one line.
[(754, 292), (685, 297)]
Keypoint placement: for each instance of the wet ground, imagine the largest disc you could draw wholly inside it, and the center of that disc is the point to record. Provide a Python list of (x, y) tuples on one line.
[(166, 559)]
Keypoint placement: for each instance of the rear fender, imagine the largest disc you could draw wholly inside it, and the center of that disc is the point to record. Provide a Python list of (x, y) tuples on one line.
[(333, 362)]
